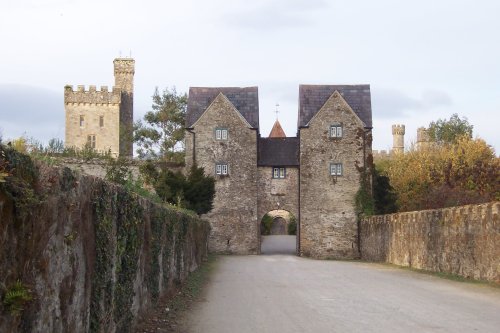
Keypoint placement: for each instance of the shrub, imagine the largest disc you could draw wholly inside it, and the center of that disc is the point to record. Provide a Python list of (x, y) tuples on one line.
[(16, 296), (292, 225)]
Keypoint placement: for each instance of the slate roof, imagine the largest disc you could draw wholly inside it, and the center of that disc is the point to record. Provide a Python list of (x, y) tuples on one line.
[(277, 131), (246, 101), (313, 97), (278, 152)]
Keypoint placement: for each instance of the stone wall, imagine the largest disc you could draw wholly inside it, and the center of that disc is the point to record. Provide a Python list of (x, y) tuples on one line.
[(97, 166), (328, 227), (459, 240), (94, 256), (234, 222)]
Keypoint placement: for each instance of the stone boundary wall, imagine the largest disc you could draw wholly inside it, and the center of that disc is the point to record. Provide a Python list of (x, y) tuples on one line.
[(95, 256), (97, 167), (462, 240)]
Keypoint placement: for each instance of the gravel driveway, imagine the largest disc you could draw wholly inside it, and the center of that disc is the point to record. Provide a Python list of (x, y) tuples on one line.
[(285, 293)]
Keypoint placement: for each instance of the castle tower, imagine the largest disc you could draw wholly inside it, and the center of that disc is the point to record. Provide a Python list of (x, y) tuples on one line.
[(423, 140), (102, 119), (398, 138), (124, 69)]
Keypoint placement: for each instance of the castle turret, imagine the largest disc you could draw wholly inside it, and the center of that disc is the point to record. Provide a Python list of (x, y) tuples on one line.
[(124, 79), (398, 137), (423, 140)]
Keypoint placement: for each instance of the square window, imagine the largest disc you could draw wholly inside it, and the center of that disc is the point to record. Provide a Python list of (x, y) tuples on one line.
[(221, 169), (336, 169), (336, 131), (221, 134), (279, 172)]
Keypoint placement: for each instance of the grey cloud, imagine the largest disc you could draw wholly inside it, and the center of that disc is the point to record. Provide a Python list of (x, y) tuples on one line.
[(388, 103), (35, 111)]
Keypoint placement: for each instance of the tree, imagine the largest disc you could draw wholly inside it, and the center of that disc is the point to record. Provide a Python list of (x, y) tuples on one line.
[(195, 192), (161, 134), (465, 172), (448, 131), (384, 197)]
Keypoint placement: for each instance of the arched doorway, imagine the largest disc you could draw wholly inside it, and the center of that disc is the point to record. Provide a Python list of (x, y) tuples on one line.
[(278, 230)]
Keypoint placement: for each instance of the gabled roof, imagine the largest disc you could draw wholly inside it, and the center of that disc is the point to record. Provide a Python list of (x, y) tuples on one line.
[(277, 131), (313, 97), (245, 100), (278, 152)]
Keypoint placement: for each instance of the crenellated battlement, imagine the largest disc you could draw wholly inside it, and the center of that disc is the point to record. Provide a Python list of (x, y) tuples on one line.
[(92, 95), (398, 129)]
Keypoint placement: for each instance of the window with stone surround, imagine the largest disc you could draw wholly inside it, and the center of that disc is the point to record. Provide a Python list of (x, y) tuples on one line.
[(101, 121), (221, 133), (336, 169), (221, 169), (82, 121), (336, 131), (279, 172), (91, 141)]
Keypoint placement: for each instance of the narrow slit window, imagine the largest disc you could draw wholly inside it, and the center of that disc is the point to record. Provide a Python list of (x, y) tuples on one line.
[(101, 121), (82, 121), (91, 141)]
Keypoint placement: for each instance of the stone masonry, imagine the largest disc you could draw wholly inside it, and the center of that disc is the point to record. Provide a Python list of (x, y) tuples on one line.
[(234, 215), (458, 240), (102, 119), (328, 221), (324, 205)]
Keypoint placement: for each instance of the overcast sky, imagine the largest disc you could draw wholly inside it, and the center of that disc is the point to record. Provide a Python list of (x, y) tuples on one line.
[(424, 59)]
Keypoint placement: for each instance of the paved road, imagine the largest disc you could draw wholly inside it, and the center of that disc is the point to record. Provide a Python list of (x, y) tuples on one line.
[(278, 244), (284, 293)]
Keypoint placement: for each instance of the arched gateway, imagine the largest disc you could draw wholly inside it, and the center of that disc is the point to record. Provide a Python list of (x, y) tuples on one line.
[(315, 175)]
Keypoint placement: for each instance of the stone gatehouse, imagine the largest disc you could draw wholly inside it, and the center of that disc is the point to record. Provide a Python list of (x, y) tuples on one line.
[(315, 175)]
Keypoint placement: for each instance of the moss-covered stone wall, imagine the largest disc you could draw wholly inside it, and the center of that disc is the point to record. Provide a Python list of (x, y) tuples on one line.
[(94, 256)]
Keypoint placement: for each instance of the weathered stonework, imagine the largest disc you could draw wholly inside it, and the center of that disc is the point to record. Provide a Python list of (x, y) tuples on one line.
[(328, 221), (459, 240), (233, 219), (106, 115), (276, 194), (323, 205)]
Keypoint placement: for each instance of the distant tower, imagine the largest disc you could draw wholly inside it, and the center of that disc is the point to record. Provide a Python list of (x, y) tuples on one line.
[(398, 136), (124, 79), (423, 140), (102, 119)]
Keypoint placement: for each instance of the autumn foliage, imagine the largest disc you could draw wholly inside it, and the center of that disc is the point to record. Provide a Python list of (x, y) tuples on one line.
[(466, 171)]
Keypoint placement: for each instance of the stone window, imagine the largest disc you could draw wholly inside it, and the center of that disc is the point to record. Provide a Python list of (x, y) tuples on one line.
[(221, 134), (91, 141), (101, 121), (336, 131), (82, 121), (336, 169), (279, 172), (221, 169)]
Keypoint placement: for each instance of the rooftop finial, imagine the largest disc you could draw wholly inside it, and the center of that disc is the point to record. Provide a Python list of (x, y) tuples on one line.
[(277, 111)]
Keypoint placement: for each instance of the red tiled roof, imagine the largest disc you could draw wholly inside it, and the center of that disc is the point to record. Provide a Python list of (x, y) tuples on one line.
[(277, 131)]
